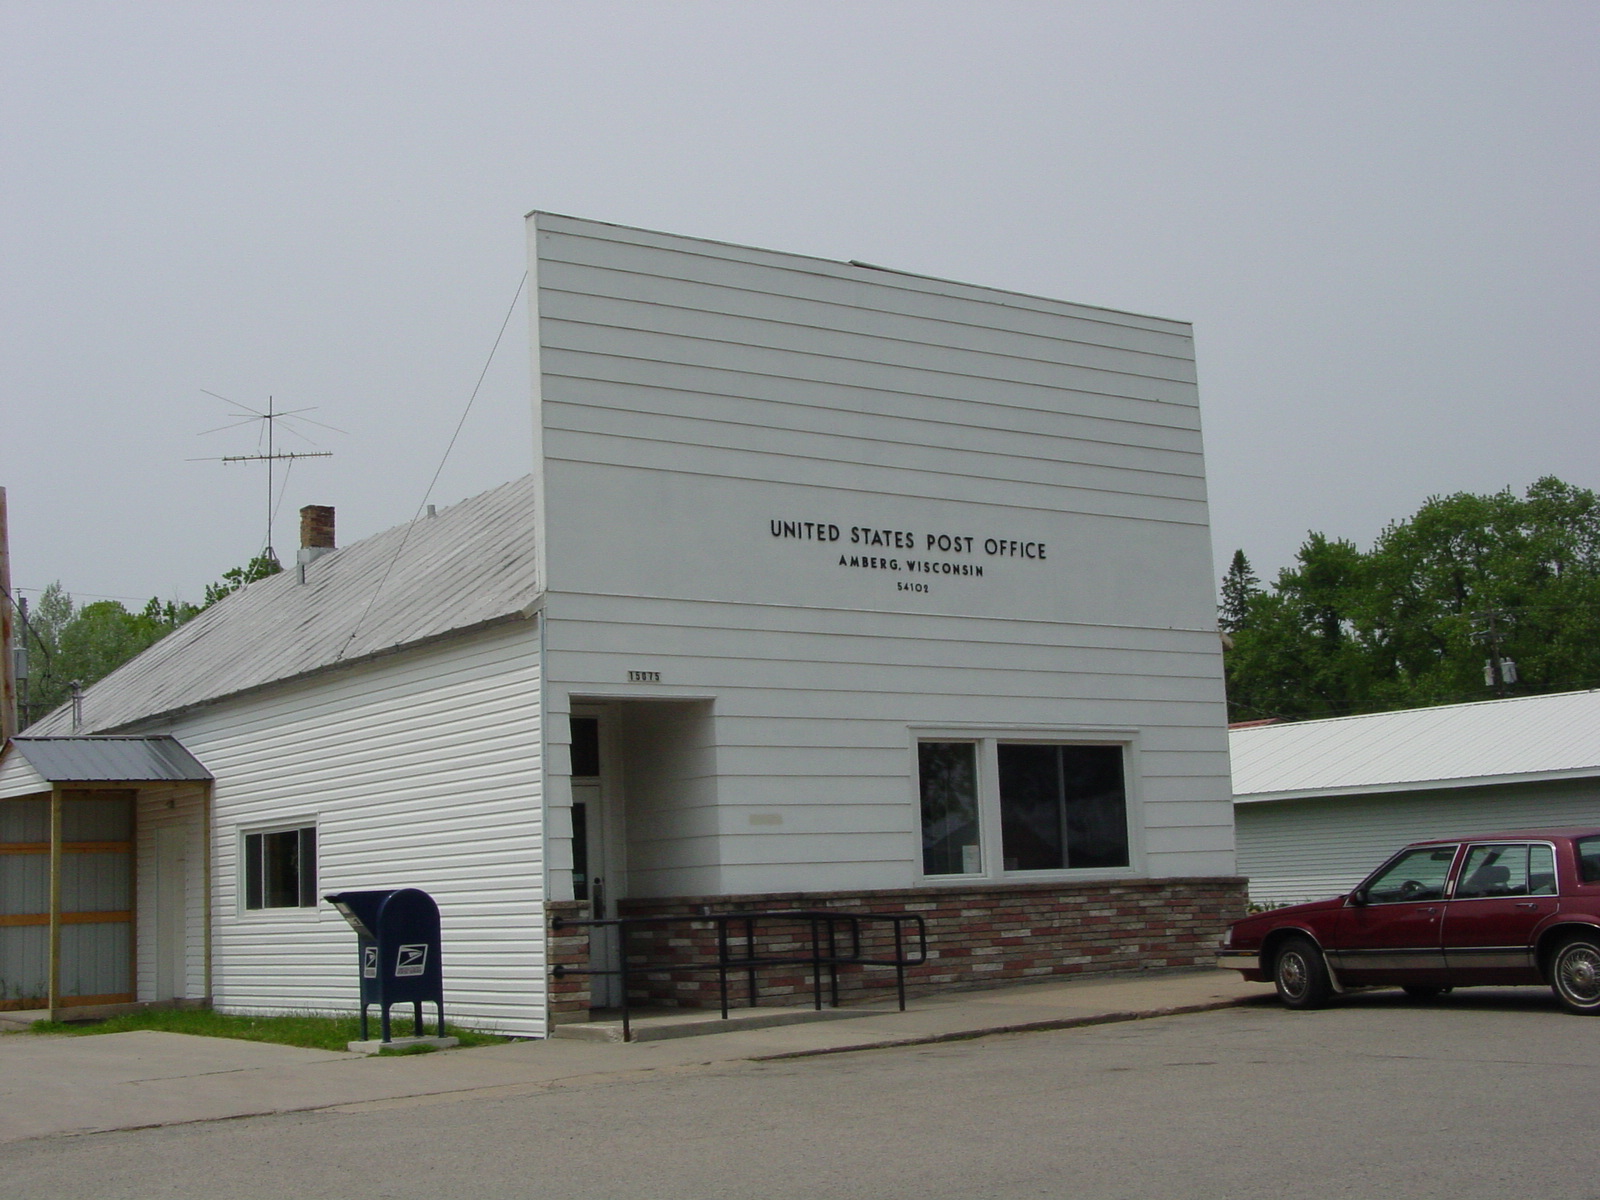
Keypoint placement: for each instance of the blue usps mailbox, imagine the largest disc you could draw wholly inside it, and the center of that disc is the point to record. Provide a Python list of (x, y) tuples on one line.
[(397, 936)]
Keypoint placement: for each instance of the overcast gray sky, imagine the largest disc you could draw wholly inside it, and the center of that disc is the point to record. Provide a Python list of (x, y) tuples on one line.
[(1381, 219)]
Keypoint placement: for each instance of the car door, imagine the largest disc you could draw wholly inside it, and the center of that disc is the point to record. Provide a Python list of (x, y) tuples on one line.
[(1391, 929), (1504, 891)]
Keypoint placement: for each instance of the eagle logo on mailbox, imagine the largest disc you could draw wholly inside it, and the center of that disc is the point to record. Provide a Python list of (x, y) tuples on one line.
[(411, 960)]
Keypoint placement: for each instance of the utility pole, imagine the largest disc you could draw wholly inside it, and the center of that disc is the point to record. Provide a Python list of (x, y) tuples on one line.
[(8, 629), (1486, 629), (20, 665)]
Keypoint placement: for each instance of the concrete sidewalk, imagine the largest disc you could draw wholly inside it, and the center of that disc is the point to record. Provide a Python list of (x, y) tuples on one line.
[(51, 1085)]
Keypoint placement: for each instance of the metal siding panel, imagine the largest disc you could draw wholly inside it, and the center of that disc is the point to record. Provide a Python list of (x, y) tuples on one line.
[(24, 884), (95, 959), (420, 770), (24, 961), (25, 820), (97, 817), (1312, 849), (1528, 735), (472, 563), (97, 882), (109, 759)]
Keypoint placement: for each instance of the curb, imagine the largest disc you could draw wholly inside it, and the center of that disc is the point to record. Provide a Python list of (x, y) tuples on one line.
[(1043, 1026)]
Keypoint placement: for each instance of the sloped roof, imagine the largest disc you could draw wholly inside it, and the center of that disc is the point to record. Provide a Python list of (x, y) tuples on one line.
[(471, 565), (1456, 745), (110, 759)]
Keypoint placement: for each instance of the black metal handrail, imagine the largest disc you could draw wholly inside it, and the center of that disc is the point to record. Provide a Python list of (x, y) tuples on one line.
[(739, 953)]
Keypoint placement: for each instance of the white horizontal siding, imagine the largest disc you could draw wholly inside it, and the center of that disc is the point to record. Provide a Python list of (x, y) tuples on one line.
[(854, 474), (419, 770), (688, 393), (828, 750), (1310, 849), (679, 264), (18, 778), (1021, 458), (1076, 437), (729, 311)]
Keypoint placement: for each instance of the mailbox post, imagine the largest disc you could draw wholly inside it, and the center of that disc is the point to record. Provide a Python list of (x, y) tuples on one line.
[(397, 938)]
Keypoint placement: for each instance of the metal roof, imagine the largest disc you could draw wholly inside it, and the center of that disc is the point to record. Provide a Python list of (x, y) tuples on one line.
[(110, 759), (1456, 745), (471, 565)]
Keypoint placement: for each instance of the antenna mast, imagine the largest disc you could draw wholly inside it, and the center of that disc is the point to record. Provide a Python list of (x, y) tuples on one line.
[(269, 419)]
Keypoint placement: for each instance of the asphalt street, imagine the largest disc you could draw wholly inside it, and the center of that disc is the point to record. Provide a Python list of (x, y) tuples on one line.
[(1483, 1094)]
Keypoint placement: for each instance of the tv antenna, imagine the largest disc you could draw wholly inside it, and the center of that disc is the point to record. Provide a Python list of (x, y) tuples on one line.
[(268, 422)]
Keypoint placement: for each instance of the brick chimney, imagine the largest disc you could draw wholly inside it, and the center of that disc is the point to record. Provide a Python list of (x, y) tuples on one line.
[(316, 534)]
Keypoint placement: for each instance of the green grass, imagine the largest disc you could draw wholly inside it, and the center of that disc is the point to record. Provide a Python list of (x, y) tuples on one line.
[(326, 1031)]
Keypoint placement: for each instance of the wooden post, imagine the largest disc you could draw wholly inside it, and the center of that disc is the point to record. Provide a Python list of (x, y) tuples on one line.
[(205, 825), (8, 632)]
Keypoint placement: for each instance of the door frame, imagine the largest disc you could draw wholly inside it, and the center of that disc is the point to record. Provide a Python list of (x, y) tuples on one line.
[(170, 898), (607, 842)]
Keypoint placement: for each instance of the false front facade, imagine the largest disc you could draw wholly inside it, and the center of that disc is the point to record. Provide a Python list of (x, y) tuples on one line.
[(831, 587)]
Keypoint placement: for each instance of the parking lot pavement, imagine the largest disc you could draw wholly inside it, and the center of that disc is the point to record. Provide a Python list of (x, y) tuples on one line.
[(52, 1084), (1378, 1095)]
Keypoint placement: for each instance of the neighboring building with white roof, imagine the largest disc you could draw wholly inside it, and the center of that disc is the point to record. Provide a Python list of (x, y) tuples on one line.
[(832, 586), (1319, 804)]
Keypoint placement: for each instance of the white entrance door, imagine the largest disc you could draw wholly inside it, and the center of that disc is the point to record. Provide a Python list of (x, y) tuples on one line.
[(592, 881), (172, 910)]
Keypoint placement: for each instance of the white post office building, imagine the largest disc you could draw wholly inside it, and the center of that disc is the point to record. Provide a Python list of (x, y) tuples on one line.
[(832, 587)]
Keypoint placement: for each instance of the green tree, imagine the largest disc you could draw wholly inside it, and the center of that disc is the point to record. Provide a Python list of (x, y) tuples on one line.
[(1239, 586), (259, 567), (67, 644), (1297, 652), (1413, 620)]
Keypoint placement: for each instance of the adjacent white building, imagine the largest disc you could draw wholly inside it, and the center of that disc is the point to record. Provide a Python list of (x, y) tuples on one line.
[(1319, 804), (832, 585)]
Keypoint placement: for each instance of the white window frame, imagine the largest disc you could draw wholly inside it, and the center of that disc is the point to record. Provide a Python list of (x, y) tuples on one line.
[(988, 739), (241, 872)]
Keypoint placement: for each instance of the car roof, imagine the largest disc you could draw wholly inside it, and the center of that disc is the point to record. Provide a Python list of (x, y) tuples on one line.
[(1564, 833)]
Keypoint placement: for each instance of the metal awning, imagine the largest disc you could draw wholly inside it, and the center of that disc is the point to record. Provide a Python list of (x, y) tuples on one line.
[(111, 759)]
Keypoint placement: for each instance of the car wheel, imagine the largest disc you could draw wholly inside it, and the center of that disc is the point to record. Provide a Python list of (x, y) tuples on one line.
[(1575, 973), (1300, 974)]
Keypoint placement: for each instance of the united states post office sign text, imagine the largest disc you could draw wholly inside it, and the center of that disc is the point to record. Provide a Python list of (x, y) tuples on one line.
[(919, 553)]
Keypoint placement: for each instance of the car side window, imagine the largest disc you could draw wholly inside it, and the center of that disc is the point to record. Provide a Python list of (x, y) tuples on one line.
[(1589, 859), (1416, 875), (1541, 871), (1499, 870)]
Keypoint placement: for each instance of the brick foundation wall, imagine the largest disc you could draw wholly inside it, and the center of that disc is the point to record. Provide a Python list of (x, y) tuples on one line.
[(568, 998), (977, 936)]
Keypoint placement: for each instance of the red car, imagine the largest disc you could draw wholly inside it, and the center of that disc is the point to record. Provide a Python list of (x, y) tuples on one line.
[(1514, 908)]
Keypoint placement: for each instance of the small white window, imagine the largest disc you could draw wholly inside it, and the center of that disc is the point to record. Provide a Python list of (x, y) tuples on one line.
[(280, 868)]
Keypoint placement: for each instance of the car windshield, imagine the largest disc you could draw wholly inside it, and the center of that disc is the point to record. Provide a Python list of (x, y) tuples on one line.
[(1416, 875)]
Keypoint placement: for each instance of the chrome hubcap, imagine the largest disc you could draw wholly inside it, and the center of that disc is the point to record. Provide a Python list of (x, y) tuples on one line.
[(1292, 974), (1579, 973)]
